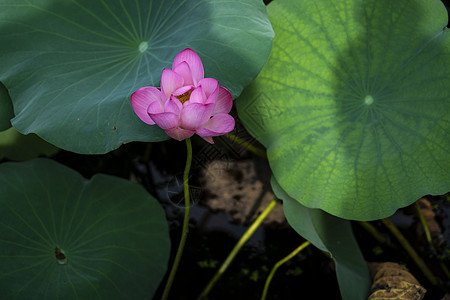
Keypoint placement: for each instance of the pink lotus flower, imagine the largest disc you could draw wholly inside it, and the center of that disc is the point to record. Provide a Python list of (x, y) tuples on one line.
[(186, 103)]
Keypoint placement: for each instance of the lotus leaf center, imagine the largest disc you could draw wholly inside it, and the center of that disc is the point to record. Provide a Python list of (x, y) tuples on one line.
[(143, 46), (368, 100), (60, 256)]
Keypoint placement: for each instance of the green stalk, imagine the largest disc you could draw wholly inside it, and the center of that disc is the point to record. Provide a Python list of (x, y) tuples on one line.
[(278, 264), (238, 247), (407, 246), (184, 232), (374, 232), (255, 150), (425, 227)]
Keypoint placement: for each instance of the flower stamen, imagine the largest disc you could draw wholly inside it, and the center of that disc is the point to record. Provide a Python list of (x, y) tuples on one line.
[(185, 96)]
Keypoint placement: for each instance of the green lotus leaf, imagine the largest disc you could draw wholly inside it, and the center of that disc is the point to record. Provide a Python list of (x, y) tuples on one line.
[(64, 237), (6, 108), (19, 147), (71, 66), (353, 103), (332, 235)]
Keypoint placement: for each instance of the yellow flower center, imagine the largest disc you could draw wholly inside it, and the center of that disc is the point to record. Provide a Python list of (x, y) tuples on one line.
[(184, 97)]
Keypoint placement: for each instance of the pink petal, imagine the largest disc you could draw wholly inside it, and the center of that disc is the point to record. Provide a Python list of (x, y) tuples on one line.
[(173, 105), (210, 86), (195, 115), (141, 99), (177, 103), (179, 133), (224, 102), (217, 125), (182, 90), (194, 62), (155, 108), (184, 70), (198, 96), (208, 139), (165, 120), (170, 81)]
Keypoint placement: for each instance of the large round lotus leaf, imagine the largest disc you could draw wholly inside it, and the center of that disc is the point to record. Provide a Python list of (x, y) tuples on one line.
[(71, 66), (19, 147), (6, 108), (63, 237), (353, 103)]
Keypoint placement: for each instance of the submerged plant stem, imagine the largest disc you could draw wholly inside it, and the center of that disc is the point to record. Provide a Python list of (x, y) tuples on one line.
[(238, 247), (184, 233), (407, 246), (278, 264)]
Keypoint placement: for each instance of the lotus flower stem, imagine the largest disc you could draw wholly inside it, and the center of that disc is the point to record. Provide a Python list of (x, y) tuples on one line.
[(184, 233), (407, 246), (278, 264), (238, 247)]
